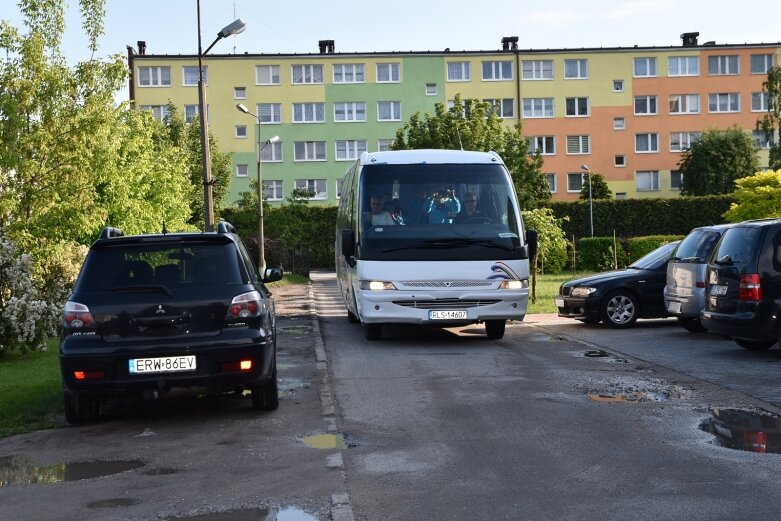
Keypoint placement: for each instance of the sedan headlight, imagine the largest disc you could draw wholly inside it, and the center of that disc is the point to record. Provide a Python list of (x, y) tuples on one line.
[(582, 291), (377, 285)]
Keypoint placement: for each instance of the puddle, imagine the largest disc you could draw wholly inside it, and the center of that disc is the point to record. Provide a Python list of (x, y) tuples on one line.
[(294, 330), (329, 441), (752, 431), (608, 357), (15, 470), (252, 514), (114, 502)]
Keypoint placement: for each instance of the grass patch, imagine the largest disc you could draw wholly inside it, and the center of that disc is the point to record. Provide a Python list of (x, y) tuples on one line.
[(288, 279), (548, 288), (30, 390)]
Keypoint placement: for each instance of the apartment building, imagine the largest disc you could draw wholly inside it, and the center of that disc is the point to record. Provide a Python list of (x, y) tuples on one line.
[(627, 113)]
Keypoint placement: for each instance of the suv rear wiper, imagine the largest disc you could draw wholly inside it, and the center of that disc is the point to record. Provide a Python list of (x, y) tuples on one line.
[(145, 287)]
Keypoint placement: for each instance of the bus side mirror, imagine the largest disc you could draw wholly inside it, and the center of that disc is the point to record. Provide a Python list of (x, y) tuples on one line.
[(531, 243), (348, 243)]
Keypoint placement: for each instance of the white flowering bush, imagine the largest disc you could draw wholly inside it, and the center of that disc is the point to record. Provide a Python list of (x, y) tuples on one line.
[(27, 317)]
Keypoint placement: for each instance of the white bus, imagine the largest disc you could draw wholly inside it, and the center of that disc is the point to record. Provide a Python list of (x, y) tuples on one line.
[(434, 238)]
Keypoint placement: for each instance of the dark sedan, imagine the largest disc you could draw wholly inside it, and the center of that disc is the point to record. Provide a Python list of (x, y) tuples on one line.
[(618, 298)]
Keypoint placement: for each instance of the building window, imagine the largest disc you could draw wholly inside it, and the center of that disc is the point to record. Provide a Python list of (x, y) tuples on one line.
[(242, 170), (431, 89), (497, 70), (724, 102), (645, 67), (619, 161), (271, 152), (551, 182), (759, 101), (648, 181), (309, 151), (241, 131), (266, 74), (384, 145), (349, 73), (389, 110), (578, 144), (676, 180), (537, 107), (309, 112), (504, 108), (619, 123), (458, 71), (618, 85), (350, 111), (159, 112), (307, 74), (684, 103), (239, 93), (577, 106), (761, 63), (537, 69), (316, 188), (545, 145), (683, 66), (646, 143), (272, 190), (575, 182), (190, 111), (720, 65), (576, 69), (270, 113), (681, 141), (154, 76), (762, 140), (350, 149), (190, 75), (645, 106), (388, 73)]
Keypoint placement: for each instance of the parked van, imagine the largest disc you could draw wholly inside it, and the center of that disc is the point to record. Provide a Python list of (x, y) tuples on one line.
[(433, 238), (744, 285), (684, 292)]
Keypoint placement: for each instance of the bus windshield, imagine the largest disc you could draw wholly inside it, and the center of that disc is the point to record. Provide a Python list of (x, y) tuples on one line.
[(438, 211)]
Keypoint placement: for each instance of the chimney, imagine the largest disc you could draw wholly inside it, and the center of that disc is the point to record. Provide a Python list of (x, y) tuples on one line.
[(326, 46), (689, 39), (141, 47), (510, 43)]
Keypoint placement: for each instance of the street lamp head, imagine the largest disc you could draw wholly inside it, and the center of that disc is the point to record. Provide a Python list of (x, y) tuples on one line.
[(241, 108), (585, 168), (273, 140), (235, 27)]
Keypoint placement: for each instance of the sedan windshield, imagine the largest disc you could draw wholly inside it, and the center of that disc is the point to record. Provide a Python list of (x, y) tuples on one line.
[(656, 259)]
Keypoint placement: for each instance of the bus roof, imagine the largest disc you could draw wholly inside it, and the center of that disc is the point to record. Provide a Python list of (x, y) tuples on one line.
[(406, 157)]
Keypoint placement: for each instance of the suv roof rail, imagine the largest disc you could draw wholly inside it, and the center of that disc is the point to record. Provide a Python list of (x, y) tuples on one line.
[(225, 227), (109, 231)]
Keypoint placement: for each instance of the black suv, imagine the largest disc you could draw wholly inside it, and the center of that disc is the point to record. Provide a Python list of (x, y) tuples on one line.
[(150, 313), (744, 285)]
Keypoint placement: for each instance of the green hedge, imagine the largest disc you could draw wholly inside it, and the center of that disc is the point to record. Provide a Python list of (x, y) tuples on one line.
[(636, 247), (596, 254)]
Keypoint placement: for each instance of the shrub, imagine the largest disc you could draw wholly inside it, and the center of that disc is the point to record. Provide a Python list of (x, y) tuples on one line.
[(552, 253), (598, 253), (639, 246)]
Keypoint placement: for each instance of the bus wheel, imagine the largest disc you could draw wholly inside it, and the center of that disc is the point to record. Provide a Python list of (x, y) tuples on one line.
[(373, 331), (494, 329)]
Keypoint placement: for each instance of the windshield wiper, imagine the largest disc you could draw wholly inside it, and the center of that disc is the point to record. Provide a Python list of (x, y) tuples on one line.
[(145, 287)]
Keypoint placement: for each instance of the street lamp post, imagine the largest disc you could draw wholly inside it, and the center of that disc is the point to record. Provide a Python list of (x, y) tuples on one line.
[(261, 246), (235, 27), (590, 199)]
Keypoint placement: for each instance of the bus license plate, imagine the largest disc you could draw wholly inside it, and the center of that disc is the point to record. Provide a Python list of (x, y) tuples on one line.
[(450, 314), (164, 364)]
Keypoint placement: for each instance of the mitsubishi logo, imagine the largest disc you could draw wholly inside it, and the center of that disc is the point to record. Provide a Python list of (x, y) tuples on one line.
[(160, 310)]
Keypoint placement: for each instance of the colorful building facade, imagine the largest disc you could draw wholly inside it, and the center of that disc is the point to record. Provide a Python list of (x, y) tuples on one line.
[(626, 113)]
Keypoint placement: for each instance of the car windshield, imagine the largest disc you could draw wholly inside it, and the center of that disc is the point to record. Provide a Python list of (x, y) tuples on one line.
[(656, 259)]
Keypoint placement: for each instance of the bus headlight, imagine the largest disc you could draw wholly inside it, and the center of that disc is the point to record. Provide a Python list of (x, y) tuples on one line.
[(514, 284), (377, 285)]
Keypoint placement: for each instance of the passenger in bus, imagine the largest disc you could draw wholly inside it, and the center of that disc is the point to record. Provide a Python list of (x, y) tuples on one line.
[(470, 212), (378, 216), (443, 206), (417, 209)]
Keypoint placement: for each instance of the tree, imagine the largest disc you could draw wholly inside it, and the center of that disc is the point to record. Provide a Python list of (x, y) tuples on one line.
[(473, 125), (758, 196), (713, 163), (771, 121), (599, 188)]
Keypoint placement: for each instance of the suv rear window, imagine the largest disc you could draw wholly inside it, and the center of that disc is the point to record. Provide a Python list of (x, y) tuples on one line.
[(738, 245), (698, 245), (172, 264)]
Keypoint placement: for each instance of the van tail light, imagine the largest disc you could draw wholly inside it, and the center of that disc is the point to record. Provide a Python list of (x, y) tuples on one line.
[(750, 288), (77, 315), (246, 305)]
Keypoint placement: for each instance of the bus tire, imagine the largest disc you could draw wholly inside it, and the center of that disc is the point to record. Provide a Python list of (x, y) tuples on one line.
[(494, 329)]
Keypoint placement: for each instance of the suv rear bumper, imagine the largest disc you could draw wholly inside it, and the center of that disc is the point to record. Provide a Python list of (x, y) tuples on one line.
[(746, 325)]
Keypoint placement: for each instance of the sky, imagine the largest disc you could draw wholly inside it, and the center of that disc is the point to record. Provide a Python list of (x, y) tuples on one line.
[(295, 26)]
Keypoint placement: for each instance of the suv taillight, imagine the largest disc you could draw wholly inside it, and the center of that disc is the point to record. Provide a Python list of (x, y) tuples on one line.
[(77, 315), (750, 288), (246, 305)]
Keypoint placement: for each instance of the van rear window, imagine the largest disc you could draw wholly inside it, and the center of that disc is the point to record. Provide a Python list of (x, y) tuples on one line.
[(698, 245), (738, 246)]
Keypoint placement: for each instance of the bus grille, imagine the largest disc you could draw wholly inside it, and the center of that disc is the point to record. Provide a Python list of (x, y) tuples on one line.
[(444, 303), (448, 284)]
